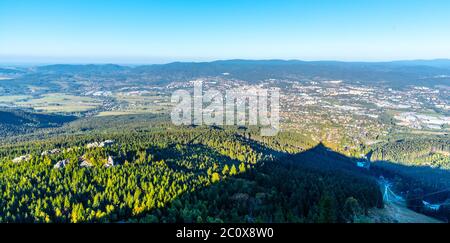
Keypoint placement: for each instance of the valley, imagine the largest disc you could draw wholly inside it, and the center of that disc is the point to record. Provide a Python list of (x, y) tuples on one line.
[(95, 143)]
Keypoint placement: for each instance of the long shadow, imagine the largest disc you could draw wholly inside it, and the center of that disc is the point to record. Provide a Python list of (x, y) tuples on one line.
[(323, 158), (426, 178), (421, 186), (311, 186), (424, 183)]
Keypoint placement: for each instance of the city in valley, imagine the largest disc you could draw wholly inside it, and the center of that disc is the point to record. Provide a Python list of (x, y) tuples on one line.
[(225, 119)]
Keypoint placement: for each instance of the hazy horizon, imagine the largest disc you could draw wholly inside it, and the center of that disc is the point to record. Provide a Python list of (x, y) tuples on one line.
[(166, 31), (134, 62)]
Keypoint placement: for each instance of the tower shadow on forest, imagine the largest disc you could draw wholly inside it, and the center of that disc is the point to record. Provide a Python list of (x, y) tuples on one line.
[(233, 192), (319, 159)]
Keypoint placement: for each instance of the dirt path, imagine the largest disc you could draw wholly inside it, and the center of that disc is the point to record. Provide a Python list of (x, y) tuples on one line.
[(395, 210), (401, 214)]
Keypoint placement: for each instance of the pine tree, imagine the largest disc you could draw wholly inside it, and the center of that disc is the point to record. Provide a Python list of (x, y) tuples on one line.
[(233, 170), (77, 214), (215, 177), (225, 170), (242, 168)]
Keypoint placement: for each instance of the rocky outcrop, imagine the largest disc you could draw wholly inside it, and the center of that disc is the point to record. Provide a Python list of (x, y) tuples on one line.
[(105, 143), (22, 158), (85, 163), (61, 164), (51, 152), (110, 162)]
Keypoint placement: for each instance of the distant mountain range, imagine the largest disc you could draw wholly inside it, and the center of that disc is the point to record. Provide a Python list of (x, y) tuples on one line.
[(10, 71), (396, 73), (438, 63)]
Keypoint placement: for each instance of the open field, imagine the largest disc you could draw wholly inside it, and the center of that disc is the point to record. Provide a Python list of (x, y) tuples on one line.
[(117, 113), (55, 102), (143, 99), (13, 98), (149, 110), (140, 104)]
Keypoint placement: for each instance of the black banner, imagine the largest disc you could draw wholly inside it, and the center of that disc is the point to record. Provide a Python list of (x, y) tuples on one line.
[(220, 232)]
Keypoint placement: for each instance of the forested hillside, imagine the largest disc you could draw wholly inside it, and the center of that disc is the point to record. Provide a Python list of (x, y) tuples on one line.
[(14, 122), (419, 169), (290, 189), (131, 175), (433, 152)]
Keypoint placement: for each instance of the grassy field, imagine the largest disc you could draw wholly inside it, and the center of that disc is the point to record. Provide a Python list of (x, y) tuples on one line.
[(13, 98), (117, 113), (60, 103), (140, 104), (153, 110), (64, 103), (143, 100)]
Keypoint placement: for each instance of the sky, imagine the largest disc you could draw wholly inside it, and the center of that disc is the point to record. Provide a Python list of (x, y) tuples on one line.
[(158, 31)]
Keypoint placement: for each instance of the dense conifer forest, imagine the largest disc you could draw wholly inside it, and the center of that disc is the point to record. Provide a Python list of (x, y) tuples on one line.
[(171, 174), (142, 169)]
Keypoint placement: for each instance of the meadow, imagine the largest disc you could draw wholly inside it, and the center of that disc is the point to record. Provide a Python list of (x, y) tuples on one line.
[(60, 103)]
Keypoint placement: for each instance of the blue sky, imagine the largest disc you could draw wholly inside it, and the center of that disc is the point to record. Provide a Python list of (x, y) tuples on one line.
[(155, 31)]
